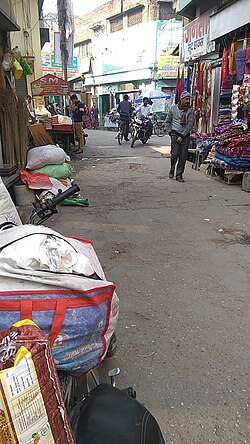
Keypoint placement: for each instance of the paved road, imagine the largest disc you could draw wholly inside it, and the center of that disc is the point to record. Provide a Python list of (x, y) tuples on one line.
[(179, 254)]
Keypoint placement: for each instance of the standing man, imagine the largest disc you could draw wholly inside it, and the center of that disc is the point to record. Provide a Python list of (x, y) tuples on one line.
[(146, 111), (125, 111), (78, 113), (179, 123)]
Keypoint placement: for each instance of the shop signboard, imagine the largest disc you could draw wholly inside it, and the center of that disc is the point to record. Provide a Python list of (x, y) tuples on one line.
[(50, 67), (49, 85), (125, 51), (195, 39), (168, 37)]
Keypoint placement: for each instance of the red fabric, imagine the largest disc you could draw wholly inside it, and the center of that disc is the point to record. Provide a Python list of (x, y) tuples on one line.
[(224, 65), (180, 85), (177, 85)]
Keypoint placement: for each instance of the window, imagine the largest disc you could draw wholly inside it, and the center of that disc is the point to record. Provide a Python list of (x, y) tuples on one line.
[(84, 49), (116, 24), (166, 11), (134, 18)]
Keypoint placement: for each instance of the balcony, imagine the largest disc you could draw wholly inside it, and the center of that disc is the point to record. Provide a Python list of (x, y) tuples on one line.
[(186, 8)]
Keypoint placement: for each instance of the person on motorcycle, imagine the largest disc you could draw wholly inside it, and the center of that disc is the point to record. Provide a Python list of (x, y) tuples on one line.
[(125, 111), (145, 111), (179, 123)]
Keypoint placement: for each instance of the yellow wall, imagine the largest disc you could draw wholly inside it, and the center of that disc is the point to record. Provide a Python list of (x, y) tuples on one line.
[(28, 38)]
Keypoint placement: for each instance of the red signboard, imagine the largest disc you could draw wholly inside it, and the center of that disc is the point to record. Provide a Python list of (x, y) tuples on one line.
[(50, 85)]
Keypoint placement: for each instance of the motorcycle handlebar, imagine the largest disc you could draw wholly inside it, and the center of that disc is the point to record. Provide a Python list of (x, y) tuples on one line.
[(63, 195)]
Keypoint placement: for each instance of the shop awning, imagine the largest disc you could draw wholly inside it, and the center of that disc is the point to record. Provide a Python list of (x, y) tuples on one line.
[(7, 17), (229, 19)]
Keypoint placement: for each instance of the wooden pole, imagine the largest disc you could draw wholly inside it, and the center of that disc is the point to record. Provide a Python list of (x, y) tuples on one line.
[(62, 16)]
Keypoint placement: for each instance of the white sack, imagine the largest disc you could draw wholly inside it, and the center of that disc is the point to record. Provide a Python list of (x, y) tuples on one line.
[(46, 253), (45, 155), (8, 212)]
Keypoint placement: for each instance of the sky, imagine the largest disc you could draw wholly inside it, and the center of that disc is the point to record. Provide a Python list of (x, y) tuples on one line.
[(80, 6)]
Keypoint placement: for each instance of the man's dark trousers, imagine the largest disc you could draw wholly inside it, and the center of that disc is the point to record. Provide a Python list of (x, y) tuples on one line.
[(126, 119), (179, 152)]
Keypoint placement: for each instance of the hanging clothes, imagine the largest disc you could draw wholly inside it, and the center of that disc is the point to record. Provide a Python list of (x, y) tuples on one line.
[(177, 87), (231, 64), (224, 65), (188, 81), (247, 65), (239, 58)]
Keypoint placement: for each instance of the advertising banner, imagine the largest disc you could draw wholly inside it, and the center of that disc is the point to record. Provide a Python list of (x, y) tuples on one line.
[(57, 48), (168, 37), (195, 39), (50, 85)]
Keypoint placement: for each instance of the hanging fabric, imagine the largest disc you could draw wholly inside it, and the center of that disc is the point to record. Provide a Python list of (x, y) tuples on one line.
[(188, 81), (231, 64), (224, 65), (177, 86)]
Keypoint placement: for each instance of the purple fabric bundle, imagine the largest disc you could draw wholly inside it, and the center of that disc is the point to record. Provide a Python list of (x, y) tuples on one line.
[(239, 58)]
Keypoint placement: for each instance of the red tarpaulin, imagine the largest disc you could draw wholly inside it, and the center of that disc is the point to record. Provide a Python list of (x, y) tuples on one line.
[(50, 85)]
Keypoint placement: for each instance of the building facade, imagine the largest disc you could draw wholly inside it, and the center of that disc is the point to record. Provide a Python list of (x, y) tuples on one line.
[(214, 35), (126, 47), (30, 39)]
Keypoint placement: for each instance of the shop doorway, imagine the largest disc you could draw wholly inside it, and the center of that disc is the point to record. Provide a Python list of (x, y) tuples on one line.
[(105, 101)]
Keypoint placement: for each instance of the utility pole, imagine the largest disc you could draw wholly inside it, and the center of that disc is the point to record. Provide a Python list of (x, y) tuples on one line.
[(66, 27)]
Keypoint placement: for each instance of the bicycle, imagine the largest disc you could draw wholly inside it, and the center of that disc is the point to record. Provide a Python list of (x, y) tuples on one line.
[(121, 131)]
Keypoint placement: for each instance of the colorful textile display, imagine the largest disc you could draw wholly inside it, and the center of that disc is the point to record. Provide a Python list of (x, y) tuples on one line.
[(232, 146)]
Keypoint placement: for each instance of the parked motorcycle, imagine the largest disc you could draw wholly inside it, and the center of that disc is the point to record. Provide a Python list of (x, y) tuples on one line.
[(139, 129), (99, 413), (72, 388)]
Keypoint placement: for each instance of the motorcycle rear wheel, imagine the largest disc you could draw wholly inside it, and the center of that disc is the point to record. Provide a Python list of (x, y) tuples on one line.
[(144, 141)]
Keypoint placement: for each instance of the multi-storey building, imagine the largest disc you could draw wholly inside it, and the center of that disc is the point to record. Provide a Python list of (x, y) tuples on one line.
[(126, 46), (30, 39)]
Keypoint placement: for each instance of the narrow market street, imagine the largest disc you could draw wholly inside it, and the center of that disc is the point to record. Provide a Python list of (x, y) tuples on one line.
[(179, 255)]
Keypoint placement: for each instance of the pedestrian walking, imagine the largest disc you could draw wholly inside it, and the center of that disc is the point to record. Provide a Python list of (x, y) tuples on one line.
[(125, 111), (94, 111), (78, 113), (179, 123)]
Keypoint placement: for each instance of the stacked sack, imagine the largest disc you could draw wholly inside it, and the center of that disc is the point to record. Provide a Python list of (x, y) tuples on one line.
[(50, 160), (49, 170)]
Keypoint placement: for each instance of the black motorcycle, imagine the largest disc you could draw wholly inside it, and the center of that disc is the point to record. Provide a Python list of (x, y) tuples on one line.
[(140, 129)]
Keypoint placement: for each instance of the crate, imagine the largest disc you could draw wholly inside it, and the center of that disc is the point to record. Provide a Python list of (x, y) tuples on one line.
[(54, 120), (62, 127)]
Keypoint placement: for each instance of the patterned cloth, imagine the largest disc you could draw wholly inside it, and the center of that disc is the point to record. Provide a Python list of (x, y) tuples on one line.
[(233, 162)]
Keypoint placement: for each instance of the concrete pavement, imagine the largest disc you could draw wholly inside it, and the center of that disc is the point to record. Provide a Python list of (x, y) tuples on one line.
[(179, 255)]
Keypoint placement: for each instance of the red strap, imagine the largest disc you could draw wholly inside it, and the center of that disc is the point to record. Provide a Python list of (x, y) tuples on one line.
[(59, 316), (26, 310)]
